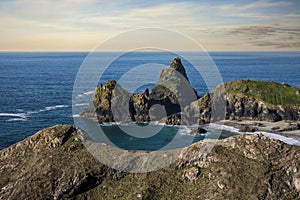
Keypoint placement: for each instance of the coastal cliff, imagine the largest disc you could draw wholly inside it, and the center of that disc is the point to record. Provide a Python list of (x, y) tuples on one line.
[(244, 99), (253, 100), (54, 164)]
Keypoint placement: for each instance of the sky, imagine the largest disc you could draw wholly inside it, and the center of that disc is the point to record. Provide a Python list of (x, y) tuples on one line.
[(81, 25)]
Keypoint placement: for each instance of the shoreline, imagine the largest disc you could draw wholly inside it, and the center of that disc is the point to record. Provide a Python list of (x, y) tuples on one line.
[(265, 126)]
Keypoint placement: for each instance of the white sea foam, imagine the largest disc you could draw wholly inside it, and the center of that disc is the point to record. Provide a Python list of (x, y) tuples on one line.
[(55, 107), (16, 119), (24, 115), (48, 108), (89, 92), (84, 94), (20, 115), (31, 112), (109, 124), (287, 140), (157, 123), (77, 115), (15, 116), (184, 130), (81, 104), (223, 127)]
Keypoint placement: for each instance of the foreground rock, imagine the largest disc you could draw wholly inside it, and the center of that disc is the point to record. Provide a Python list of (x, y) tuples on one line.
[(53, 164)]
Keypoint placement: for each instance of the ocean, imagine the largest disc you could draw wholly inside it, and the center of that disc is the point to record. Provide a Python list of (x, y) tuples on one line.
[(36, 87)]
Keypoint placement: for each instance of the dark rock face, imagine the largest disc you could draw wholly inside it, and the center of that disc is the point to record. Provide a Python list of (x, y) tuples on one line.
[(54, 164), (255, 110), (241, 108)]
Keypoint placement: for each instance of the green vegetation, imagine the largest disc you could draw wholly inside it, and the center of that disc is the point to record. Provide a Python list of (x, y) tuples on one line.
[(271, 93)]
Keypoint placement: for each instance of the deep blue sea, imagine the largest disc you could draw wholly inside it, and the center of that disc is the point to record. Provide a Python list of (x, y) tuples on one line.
[(36, 87)]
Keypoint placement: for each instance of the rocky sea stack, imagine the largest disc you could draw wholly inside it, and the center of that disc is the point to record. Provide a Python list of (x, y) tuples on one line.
[(54, 164), (172, 92), (243, 100)]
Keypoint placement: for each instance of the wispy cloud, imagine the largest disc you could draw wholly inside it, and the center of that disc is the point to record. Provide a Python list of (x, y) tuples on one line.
[(255, 5), (275, 35), (212, 23)]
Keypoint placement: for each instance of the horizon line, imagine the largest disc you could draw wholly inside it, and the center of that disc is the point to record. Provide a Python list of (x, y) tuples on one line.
[(89, 51)]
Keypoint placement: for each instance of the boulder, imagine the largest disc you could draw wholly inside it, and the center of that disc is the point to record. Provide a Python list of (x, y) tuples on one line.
[(198, 130), (275, 128), (246, 128)]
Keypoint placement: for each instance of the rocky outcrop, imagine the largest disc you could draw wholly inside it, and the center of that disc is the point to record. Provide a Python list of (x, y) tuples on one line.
[(236, 100), (54, 164)]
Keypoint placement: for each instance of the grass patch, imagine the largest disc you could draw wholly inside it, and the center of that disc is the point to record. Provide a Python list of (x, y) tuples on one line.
[(271, 93)]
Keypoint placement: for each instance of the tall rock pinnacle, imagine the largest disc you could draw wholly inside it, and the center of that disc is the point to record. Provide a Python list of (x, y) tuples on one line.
[(177, 65)]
